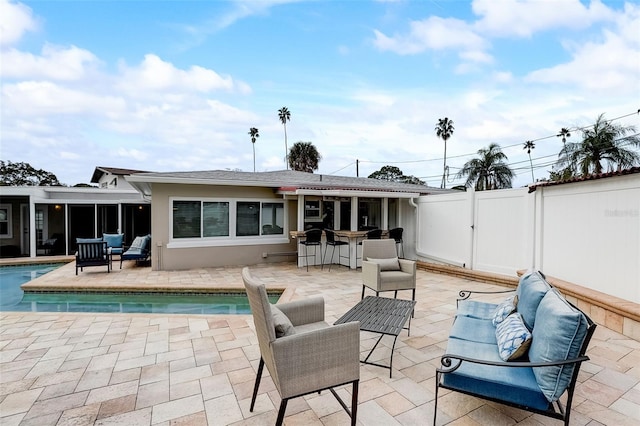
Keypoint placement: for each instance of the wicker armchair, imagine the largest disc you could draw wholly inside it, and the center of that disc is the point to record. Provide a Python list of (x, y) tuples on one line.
[(310, 355)]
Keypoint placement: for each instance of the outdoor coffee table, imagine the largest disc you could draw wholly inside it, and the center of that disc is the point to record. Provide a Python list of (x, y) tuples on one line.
[(381, 315)]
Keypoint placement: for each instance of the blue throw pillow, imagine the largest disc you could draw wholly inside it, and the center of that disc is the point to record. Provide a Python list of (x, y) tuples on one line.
[(530, 291), (113, 240), (138, 243), (559, 334), (504, 309), (513, 338)]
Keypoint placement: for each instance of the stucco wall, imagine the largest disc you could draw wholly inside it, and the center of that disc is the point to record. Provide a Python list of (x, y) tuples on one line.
[(207, 254)]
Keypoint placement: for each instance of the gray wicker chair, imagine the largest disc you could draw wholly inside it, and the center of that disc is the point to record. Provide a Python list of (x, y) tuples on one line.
[(312, 355), (386, 272)]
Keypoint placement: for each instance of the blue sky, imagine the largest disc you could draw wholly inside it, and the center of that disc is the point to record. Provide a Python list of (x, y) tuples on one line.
[(176, 85)]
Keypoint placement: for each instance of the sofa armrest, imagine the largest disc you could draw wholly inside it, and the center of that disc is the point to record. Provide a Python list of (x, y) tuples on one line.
[(450, 362), (465, 294), (408, 266), (304, 311), (371, 274)]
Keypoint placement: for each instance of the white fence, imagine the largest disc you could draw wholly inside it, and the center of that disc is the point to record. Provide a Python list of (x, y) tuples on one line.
[(586, 232)]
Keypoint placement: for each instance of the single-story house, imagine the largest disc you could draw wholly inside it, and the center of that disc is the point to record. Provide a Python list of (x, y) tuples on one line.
[(218, 218)]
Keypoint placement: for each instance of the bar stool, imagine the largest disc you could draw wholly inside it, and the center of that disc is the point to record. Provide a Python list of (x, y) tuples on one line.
[(374, 234), (396, 234), (313, 238), (331, 241)]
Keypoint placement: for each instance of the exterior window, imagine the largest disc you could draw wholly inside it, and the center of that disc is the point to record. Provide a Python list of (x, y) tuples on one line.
[(272, 218), (186, 219), (215, 219), (5, 220), (247, 218), (369, 213)]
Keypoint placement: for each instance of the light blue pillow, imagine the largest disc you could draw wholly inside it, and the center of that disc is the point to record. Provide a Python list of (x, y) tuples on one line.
[(530, 291), (513, 337), (88, 240), (504, 309), (138, 243), (558, 335), (113, 240)]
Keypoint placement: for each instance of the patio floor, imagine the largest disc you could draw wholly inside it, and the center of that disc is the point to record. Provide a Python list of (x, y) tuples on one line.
[(144, 369)]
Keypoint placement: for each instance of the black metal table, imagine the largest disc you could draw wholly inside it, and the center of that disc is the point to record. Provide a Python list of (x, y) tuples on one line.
[(381, 315)]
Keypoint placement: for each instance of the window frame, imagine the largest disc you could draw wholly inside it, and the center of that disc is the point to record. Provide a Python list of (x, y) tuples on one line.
[(232, 239), (8, 221)]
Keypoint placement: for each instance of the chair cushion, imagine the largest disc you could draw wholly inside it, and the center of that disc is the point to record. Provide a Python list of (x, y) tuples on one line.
[(530, 291), (390, 264), (513, 337), (504, 309), (88, 240), (281, 322), (558, 335), (473, 330), (113, 240), (476, 309), (138, 243)]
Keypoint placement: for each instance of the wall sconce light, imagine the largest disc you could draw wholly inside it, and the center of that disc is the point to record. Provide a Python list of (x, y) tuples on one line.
[(57, 207), (140, 207)]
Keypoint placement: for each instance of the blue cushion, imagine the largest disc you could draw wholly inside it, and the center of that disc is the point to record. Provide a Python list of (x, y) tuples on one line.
[(473, 330), (138, 243), (513, 384), (558, 335), (530, 291), (504, 309), (113, 240), (512, 337), (475, 309)]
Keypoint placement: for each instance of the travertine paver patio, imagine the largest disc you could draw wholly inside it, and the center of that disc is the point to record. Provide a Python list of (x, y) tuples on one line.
[(142, 369)]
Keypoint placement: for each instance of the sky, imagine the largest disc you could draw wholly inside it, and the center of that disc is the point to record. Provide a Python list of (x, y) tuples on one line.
[(176, 85)]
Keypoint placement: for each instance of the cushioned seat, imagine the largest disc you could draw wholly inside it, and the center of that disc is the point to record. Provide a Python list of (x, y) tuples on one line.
[(383, 271), (140, 250)]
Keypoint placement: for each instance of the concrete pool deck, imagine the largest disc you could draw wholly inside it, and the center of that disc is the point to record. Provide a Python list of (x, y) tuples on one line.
[(158, 369)]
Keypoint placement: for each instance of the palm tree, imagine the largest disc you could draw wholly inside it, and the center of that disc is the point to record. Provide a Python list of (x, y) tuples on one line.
[(253, 132), (489, 170), (304, 157), (285, 115), (564, 134), (444, 130), (601, 143), (529, 145)]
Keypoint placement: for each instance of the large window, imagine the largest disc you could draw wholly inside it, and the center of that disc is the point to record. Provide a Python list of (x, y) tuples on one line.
[(214, 219), (5, 220)]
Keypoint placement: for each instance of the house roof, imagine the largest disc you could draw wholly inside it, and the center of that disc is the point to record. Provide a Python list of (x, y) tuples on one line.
[(594, 176), (99, 171), (284, 181)]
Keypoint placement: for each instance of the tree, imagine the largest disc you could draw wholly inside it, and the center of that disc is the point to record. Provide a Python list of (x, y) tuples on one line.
[(489, 170), (253, 132), (564, 134), (304, 157), (285, 115), (529, 145), (444, 130), (603, 143), (23, 174), (394, 174)]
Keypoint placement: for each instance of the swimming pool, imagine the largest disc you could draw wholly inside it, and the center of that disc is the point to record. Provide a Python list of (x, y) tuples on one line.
[(12, 298)]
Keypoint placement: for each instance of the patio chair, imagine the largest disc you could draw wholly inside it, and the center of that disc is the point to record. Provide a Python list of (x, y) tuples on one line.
[(303, 353), (372, 234), (335, 242), (115, 244), (92, 252), (312, 238), (140, 250), (396, 234), (383, 271)]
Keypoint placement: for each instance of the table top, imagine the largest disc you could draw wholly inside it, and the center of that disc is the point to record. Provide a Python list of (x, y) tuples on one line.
[(380, 314)]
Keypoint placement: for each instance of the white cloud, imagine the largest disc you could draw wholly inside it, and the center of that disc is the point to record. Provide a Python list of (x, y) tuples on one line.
[(523, 18), (15, 20), (132, 154), (55, 63), (154, 74), (433, 33)]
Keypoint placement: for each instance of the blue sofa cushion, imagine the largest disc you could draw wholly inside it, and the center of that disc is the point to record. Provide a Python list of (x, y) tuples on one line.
[(559, 334), (138, 243), (473, 330), (530, 291), (475, 309), (513, 338), (113, 240), (513, 384), (504, 309), (88, 240)]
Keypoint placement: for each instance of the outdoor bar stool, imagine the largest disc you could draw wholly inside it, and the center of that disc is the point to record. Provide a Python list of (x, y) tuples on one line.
[(374, 234), (332, 241), (313, 238), (396, 234)]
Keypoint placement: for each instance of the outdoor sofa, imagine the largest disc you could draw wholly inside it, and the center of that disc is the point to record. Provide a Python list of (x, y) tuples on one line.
[(524, 352)]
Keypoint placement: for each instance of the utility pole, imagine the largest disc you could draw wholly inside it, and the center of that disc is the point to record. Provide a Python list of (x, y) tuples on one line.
[(357, 168)]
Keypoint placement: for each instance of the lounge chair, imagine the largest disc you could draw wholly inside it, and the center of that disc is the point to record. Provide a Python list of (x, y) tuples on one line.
[(302, 352), (92, 252), (140, 250)]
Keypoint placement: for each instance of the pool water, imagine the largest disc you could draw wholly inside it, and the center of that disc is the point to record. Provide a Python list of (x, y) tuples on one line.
[(12, 298)]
